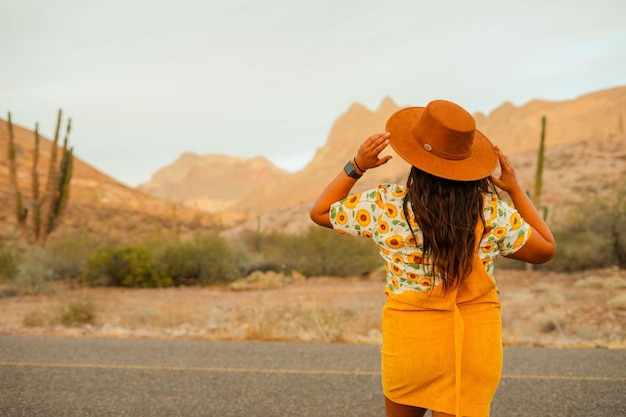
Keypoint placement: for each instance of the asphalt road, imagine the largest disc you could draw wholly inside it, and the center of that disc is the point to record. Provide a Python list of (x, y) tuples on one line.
[(69, 377)]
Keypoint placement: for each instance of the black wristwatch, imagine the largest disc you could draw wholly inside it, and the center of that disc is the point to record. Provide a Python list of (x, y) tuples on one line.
[(350, 170)]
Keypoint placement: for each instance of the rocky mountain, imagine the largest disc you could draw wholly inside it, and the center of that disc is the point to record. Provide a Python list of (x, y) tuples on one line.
[(211, 183), (585, 148), (345, 136), (597, 117)]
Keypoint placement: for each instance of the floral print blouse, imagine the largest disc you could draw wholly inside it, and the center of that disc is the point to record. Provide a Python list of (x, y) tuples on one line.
[(377, 214)]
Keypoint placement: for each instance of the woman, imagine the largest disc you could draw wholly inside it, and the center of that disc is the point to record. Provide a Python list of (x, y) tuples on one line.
[(439, 236)]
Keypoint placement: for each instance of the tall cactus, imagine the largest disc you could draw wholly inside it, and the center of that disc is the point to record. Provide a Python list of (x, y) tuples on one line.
[(34, 178), (540, 157), (539, 174), (536, 196), (20, 211), (63, 185), (46, 210), (56, 193)]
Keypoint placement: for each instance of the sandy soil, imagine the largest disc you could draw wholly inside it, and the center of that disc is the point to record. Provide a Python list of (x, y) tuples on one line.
[(539, 309)]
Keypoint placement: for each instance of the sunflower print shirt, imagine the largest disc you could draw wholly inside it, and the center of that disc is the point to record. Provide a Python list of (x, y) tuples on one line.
[(377, 214)]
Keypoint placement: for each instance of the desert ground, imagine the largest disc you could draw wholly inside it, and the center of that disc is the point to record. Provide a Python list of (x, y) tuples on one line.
[(581, 310)]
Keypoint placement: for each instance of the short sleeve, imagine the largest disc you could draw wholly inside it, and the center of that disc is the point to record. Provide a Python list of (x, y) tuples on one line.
[(357, 214), (507, 231)]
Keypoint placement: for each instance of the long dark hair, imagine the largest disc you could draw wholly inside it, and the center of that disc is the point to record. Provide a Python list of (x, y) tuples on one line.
[(447, 212)]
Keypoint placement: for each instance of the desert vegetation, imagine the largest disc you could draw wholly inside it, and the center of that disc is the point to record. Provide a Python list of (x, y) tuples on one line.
[(313, 286), (590, 235), (205, 259), (119, 262), (46, 209)]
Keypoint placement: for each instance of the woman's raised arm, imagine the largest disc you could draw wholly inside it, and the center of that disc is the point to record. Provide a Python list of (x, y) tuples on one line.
[(540, 246), (341, 185)]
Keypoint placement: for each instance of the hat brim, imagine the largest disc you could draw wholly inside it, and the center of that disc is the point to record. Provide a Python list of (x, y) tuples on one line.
[(481, 163)]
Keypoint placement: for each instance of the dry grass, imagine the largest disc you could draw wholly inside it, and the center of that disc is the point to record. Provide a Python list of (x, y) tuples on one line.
[(539, 309), (322, 309), (551, 309)]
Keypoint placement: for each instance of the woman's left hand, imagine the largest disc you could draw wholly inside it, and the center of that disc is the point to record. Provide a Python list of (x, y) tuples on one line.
[(367, 155)]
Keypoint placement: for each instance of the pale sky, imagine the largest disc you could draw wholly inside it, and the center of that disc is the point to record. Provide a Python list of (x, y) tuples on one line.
[(145, 81)]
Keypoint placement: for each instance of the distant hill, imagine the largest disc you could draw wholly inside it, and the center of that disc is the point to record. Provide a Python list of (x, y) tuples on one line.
[(207, 182)]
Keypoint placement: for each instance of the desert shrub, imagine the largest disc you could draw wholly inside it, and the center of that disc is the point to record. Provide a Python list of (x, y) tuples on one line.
[(180, 262), (9, 261), (319, 252), (34, 272), (206, 259), (592, 234), (217, 260), (250, 251), (76, 312), (68, 254), (125, 266), (579, 250), (36, 318)]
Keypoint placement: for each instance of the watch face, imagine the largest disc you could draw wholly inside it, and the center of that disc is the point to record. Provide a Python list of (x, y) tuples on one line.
[(351, 170)]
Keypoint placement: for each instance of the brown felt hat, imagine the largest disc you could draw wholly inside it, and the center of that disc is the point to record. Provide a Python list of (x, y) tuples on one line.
[(442, 139)]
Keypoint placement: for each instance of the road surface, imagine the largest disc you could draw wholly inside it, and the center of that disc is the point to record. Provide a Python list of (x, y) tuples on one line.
[(67, 377)]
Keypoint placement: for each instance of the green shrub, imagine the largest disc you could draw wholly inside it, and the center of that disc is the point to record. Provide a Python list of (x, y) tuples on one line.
[(217, 260), (206, 259), (581, 250), (68, 254), (592, 234), (34, 272), (181, 263), (320, 252), (76, 313), (9, 262), (250, 254), (125, 266)]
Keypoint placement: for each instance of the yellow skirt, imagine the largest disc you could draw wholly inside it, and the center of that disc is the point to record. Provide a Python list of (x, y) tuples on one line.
[(444, 352)]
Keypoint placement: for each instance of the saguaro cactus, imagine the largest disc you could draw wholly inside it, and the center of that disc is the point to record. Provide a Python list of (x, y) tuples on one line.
[(20, 211), (536, 196), (34, 175), (47, 210), (539, 174)]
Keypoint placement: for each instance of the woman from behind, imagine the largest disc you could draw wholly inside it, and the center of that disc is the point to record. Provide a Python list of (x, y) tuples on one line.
[(439, 236)]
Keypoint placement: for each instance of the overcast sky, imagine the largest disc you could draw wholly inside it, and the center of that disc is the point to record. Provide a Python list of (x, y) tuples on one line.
[(145, 81)]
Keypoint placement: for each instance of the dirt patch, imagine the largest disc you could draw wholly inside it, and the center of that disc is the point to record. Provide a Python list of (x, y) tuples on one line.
[(551, 309), (539, 309)]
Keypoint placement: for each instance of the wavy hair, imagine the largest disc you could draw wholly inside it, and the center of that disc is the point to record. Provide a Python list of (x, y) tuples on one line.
[(447, 213)]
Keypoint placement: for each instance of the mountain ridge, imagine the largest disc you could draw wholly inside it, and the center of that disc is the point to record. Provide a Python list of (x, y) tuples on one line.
[(584, 147)]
